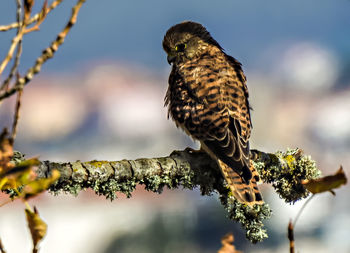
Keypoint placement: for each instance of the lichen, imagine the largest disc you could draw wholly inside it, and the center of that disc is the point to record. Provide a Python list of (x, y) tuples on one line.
[(250, 217), (72, 188), (285, 172), (97, 164)]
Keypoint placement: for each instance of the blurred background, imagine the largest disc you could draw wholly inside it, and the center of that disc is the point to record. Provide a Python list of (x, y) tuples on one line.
[(101, 97)]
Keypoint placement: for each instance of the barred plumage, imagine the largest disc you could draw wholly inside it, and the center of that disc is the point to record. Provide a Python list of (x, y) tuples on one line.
[(208, 98)]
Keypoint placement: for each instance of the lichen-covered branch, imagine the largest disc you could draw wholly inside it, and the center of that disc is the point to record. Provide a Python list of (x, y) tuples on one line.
[(285, 170), (188, 169)]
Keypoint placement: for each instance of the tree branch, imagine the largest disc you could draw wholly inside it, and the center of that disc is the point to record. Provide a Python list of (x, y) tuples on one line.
[(35, 18), (189, 169), (48, 53)]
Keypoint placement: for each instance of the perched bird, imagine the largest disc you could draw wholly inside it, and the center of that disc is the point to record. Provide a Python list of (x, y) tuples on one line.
[(208, 98)]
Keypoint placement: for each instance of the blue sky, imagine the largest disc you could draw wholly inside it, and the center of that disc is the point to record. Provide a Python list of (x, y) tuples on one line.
[(132, 31)]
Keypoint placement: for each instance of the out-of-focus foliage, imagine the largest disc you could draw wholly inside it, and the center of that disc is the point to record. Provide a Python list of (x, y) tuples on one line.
[(319, 185), (36, 226), (20, 179), (6, 152), (327, 183), (227, 245), (37, 186)]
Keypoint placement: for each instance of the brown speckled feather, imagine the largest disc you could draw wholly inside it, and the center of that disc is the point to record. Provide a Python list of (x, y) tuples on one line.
[(208, 98)]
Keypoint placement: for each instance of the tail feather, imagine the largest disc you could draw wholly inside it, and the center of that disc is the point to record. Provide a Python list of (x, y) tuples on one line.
[(245, 192)]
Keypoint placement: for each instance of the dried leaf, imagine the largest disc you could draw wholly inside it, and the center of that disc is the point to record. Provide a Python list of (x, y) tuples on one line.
[(227, 244), (6, 152), (327, 183), (36, 226), (35, 187), (20, 175)]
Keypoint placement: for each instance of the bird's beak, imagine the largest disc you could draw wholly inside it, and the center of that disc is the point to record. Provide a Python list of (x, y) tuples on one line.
[(171, 58)]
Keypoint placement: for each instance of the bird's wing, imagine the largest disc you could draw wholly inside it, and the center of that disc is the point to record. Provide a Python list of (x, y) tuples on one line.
[(230, 129), (230, 148)]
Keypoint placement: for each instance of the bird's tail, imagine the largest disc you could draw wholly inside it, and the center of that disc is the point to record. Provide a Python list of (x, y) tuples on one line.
[(245, 192)]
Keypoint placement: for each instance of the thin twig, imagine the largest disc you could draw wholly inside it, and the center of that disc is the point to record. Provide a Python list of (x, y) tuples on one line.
[(9, 55), (6, 82), (301, 209), (291, 237), (291, 226), (18, 12), (23, 30), (16, 116), (2, 250), (47, 53), (42, 16), (17, 39), (5, 203), (35, 18)]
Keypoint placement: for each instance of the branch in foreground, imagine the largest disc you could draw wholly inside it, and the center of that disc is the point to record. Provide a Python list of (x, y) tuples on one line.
[(48, 53), (188, 169), (35, 18)]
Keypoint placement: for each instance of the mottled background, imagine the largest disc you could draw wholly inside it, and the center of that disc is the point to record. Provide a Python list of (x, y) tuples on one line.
[(101, 97)]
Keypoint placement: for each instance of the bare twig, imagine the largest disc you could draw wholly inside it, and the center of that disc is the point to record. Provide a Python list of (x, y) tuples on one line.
[(28, 5), (47, 54), (9, 200), (7, 81), (5, 84), (291, 226), (35, 18), (2, 249), (291, 237), (16, 116), (9, 55), (301, 209), (316, 186), (23, 30), (18, 12), (17, 39), (38, 22)]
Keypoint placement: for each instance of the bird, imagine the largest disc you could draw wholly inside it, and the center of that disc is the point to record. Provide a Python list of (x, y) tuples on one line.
[(207, 97)]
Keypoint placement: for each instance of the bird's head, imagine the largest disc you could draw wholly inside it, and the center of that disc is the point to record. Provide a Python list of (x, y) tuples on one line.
[(186, 41)]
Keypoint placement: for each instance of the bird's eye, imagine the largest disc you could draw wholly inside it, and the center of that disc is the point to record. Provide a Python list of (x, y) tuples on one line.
[(180, 47)]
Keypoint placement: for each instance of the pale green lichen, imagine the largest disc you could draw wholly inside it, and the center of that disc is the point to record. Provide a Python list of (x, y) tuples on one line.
[(97, 164), (250, 217), (17, 157), (285, 172), (106, 182), (110, 187)]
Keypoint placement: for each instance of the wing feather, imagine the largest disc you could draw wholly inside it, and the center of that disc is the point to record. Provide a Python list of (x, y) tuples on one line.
[(232, 150)]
